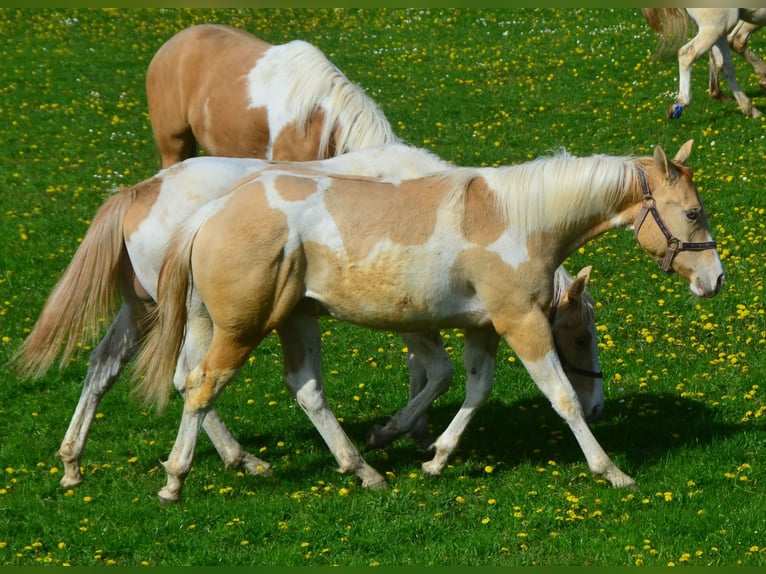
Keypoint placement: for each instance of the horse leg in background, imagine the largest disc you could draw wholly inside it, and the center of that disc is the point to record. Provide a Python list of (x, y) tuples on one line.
[(728, 73), (737, 39), (104, 367), (196, 341), (480, 350), (430, 376), (715, 66), (706, 38), (301, 348)]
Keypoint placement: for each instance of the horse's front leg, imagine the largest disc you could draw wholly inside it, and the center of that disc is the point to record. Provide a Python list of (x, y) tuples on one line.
[(301, 347), (430, 376), (531, 337), (480, 350), (104, 367)]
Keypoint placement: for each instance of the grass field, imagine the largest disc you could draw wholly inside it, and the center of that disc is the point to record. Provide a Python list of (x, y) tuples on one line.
[(684, 397)]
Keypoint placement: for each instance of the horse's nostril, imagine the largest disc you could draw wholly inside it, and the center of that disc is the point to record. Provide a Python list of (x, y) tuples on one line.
[(719, 283)]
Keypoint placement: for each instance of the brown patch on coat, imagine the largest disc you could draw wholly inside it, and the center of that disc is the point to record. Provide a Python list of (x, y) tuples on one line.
[(193, 82), (292, 188), (481, 220), (368, 211), (295, 144), (247, 281), (144, 197)]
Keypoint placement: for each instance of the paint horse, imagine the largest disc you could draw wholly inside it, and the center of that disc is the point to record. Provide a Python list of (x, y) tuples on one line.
[(713, 26), (475, 248), (232, 94), (120, 256)]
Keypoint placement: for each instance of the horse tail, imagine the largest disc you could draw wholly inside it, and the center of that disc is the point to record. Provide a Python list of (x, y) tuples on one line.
[(156, 362), (672, 24), (85, 294)]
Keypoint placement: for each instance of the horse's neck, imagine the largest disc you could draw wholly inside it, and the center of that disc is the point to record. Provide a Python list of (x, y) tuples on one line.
[(623, 214)]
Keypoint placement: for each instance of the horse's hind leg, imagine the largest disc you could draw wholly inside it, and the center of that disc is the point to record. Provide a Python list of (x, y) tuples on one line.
[(728, 73), (479, 358), (202, 387), (105, 364), (197, 340), (738, 40), (430, 376), (301, 347)]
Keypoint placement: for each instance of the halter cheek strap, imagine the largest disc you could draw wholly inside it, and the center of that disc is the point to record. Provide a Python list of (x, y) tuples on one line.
[(675, 245)]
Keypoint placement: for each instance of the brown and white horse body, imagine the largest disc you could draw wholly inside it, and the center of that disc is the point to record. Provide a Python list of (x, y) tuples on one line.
[(232, 94), (475, 248), (139, 221)]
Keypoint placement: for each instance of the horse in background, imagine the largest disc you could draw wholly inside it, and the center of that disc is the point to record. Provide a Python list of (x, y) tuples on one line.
[(473, 248), (232, 94), (713, 27)]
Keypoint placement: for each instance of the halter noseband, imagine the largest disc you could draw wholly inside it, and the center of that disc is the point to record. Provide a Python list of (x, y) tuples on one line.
[(568, 366), (675, 245)]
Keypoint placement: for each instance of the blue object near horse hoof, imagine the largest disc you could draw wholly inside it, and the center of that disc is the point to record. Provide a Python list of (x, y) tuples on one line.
[(674, 111)]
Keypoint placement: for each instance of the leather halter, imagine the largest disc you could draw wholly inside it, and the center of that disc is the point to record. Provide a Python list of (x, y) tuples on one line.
[(568, 366), (675, 245)]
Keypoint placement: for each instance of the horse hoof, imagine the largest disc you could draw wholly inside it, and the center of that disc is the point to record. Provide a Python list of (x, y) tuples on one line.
[(68, 481), (431, 469), (674, 111), (166, 498), (378, 438), (255, 466)]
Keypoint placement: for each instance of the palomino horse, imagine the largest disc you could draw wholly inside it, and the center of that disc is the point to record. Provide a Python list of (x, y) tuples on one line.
[(122, 252), (713, 26), (235, 95), (474, 248)]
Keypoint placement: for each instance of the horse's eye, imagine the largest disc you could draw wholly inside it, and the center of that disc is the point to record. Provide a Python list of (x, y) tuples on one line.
[(693, 214)]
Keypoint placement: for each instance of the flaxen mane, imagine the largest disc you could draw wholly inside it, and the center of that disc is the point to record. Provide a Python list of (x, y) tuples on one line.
[(362, 123), (549, 192)]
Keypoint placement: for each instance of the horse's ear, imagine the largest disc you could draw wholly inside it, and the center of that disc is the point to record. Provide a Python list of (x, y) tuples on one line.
[(683, 154), (663, 163), (577, 288)]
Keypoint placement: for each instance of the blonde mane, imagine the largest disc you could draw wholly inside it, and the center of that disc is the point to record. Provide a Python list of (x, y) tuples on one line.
[(550, 192), (346, 106)]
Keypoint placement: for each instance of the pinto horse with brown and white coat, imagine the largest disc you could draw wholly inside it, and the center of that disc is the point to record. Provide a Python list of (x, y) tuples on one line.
[(475, 248)]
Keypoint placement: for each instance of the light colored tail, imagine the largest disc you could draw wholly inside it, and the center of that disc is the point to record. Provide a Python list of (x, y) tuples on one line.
[(158, 356), (672, 24), (85, 294)]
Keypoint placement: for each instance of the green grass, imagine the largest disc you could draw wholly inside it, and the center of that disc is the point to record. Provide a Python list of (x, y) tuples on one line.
[(684, 402)]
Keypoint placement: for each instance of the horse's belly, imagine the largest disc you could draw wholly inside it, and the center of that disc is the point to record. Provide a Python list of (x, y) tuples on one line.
[(394, 301)]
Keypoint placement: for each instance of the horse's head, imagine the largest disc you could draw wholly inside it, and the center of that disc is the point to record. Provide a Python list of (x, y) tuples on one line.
[(672, 226), (576, 340)]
